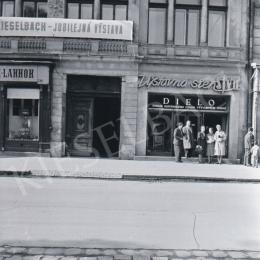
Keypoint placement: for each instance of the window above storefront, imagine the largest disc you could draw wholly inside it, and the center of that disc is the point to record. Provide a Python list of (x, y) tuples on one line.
[(34, 8), (114, 10), (7, 8), (80, 9)]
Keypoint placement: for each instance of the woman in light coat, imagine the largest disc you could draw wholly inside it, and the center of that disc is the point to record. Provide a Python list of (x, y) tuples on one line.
[(220, 143)]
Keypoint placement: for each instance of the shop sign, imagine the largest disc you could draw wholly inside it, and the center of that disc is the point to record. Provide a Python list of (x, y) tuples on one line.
[(178, 102), (24, 73), (58, 27), (220, 84)]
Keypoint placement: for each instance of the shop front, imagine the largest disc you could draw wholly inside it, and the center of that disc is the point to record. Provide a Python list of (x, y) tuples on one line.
[(166, 110), (93, 116), (25, 107)]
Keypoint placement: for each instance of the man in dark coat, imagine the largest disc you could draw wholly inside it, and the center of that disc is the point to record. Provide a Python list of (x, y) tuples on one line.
[(248, 144), (178, 142)]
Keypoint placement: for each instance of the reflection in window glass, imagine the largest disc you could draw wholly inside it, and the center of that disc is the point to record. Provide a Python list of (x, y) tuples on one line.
[(107, 12), (180, 27), (86, 11), (8, 8), (216, 28), (42, 10), (217, 2), (193, 27), (157, 25), (73, 10), (28, 9), (23, 119), (121, 12)]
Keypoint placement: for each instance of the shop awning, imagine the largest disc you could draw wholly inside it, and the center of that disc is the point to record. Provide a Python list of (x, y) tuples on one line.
[(23, 93)]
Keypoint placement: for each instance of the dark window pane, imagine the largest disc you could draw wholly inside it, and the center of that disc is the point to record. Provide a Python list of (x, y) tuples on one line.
[(217, 2), (36, 108), (8, 8), (107, 12), (193, 27), (157, 25), (216, 28), (42, 9), (17, 105), (28, 9), (180, 27), (73, 10), (86, 11), (27, 107), (188, 2), (121, 12)]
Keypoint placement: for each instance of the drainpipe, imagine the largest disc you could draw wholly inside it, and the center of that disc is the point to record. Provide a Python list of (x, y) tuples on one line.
[(255, 98)]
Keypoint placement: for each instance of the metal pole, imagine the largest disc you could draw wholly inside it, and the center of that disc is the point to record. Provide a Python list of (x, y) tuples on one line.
[(254, 103)]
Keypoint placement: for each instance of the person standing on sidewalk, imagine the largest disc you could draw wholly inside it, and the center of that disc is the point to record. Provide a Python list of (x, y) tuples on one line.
[(210, 144), (178, 142), (248, 144), (255, 155), (220, 143), (202, 143), (187, 138)]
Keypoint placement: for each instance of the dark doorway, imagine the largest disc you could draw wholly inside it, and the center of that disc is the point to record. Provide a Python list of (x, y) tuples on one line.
[(106, 126)]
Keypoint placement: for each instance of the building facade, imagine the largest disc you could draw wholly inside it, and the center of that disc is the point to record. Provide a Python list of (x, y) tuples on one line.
[(116, 84)]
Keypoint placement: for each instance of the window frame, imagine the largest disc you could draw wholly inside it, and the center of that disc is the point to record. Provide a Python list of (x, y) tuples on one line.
[(159, 6), (35, 2), (187, 8), (1, 6), (80, 2), (221, 9), (114, 3)]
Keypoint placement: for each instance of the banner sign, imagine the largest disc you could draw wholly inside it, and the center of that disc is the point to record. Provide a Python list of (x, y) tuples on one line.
[(179, 102), (24, 73), (72, 28), (220, 84)]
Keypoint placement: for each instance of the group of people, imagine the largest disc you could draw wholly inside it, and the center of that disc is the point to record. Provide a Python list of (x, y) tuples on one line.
[(251, 149), (208, 144)]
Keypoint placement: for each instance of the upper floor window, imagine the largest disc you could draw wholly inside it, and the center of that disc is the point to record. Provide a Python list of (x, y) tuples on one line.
[(35, 8), (157, 21), (187, 22), (7, 8), (114, 9), (80, 9), (217, 16)]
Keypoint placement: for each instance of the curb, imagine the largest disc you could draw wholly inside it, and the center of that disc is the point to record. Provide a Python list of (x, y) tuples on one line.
[(15, 173)]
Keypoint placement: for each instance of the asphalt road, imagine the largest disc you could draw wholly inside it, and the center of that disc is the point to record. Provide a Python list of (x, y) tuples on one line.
[(96, 213)]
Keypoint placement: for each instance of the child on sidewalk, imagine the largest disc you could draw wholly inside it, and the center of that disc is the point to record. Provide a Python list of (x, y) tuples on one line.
[(255, 155)]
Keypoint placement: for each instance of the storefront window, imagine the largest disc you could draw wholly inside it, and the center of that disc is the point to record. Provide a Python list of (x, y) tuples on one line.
[(217, 23), (157, 21), (23, 115), (187, 22), (7, 8), (80, 9), (35, 9), (114, 10)]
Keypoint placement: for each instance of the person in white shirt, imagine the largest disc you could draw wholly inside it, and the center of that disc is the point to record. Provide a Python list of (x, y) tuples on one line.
[(255, 155)]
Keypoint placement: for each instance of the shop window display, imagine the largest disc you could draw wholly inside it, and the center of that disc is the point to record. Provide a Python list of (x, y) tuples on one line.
[(23, 119)]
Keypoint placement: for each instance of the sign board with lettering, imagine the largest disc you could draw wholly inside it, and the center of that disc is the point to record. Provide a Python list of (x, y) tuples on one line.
[(25, 73), (188, 102), (220, 84), (58, 27)]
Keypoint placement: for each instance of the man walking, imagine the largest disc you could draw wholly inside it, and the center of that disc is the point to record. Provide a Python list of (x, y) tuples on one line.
[(178, 142), (248, 144)]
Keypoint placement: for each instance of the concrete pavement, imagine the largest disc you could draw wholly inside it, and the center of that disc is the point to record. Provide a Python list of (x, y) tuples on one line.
[(118, 169), (62, 212)]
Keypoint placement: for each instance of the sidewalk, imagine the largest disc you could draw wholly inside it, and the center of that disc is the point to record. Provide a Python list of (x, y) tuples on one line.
[(127, 169), (54, 253)]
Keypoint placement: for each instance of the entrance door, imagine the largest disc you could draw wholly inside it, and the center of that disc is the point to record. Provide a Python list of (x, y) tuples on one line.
[(80, 127)]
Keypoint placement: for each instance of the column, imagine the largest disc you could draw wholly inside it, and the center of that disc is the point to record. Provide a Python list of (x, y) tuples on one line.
[(128, 117), (18, 8), (255, 100), (204, 14), (133, 15), (97, 9), (170, 21)]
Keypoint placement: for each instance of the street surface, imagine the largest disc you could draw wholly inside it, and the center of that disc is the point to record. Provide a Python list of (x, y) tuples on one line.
[(125, 214)]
